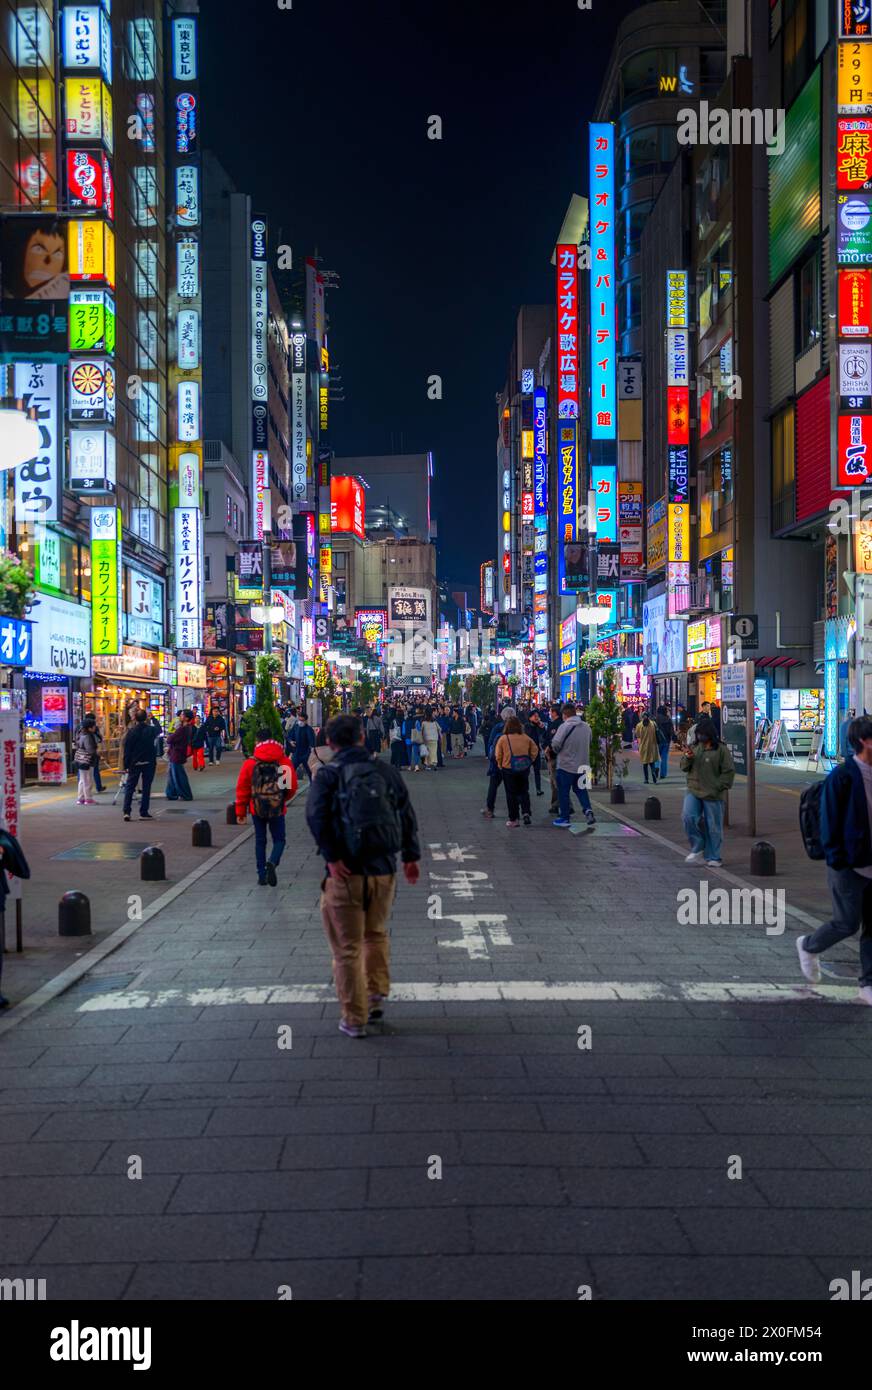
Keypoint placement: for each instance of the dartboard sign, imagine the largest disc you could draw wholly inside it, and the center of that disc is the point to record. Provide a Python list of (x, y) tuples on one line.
[(92, 389)]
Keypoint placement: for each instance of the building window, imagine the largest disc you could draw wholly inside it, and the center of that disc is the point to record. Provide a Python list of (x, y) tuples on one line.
[(340, 559), (206, 510), (207, 568), (783, 470), (641, 74), (648, 148), (808, 304), (797, 30)]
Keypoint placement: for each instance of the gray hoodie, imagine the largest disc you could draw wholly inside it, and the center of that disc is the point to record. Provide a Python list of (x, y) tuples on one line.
[(571, 743)]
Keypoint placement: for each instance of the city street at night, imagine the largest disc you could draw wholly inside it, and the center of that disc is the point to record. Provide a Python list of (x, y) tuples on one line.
[(435, 678)]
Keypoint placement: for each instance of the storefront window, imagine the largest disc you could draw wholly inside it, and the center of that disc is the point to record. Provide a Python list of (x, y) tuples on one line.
[(808, 304), (783, 470), (640, 75)]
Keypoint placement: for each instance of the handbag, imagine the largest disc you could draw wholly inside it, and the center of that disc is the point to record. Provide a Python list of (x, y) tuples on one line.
[(417, 736), (520, 762)]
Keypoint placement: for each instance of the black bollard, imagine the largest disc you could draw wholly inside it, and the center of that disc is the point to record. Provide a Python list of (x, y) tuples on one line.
[(74, 915), (652, 808), (201, 834), (231, 813), (152, 866), (763, 859), (617, 797)]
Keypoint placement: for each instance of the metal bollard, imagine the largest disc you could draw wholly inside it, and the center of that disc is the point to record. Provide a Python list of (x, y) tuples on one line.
[(201, 834), (763, 859), (617, 797), (652, 808), (152, 865), (231, 813), (74, 915)]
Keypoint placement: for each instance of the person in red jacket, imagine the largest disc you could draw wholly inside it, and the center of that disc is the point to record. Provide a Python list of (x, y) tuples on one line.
[(267, 782)]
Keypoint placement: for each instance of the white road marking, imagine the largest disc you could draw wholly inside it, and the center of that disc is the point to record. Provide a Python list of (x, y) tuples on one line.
[(493, 991), (473, 939), (452, 850)]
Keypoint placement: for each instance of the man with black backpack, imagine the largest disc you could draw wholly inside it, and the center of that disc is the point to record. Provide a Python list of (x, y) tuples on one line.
[(835, 819), (361, 817), (266, 783)]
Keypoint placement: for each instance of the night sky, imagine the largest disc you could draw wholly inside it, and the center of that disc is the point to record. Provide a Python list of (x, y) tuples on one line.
[(320, 112)]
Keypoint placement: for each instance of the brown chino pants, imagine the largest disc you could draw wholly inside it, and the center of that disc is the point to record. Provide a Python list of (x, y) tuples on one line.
[(358, 939)]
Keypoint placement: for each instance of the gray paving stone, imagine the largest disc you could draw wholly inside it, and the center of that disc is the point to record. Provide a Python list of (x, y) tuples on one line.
[(366, 1150), (228, 1155), (461, 1185), (138, 1124), (310, 1235), (573, 1230), (36, 1159), (78, 1195), (659, 1187), (101, 1240), (330, 1190), (807, 1231), (66, 1284), (247, 1280), (447, 1278), (662, 1277), (21, 1237), (313, 1119)]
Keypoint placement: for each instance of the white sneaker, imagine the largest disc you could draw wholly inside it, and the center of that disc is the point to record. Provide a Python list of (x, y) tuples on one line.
[(809, 964), (715, 863), (865, 995), (694, 857)]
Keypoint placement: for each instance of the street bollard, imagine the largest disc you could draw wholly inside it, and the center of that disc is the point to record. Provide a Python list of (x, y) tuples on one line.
[(201, 834), (152, 866), (74, 915), (617, 797), (231, 813), (652, 808), (763, 859)]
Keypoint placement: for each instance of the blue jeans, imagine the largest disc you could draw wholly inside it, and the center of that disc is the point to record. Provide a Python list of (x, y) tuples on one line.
[(852, 909), (664, 761), (277, 831), (415, 753), (215, 743), (710, 837), (567, 782), (178, 786)]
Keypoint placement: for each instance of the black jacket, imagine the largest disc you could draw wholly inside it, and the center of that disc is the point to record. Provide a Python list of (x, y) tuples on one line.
[(323, 818), (845, 832), (139, 746), (215, 724)]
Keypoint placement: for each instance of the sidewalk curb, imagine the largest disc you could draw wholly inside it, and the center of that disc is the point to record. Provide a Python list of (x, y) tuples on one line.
[(73, 973), (804, 917)]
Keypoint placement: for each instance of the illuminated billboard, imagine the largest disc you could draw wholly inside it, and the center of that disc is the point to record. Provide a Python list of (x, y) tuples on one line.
[(604, 485), (106, 639), (188, 588), (347, 506)]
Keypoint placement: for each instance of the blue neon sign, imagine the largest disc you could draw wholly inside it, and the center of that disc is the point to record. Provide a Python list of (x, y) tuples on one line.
[(540, 450)]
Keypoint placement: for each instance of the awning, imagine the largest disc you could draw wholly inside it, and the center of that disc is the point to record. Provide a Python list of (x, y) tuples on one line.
[(777, 661)]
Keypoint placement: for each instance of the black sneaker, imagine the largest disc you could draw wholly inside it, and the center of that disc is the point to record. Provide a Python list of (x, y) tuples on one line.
[(271, 875), (127, 815), (262, 882), (376, 1009), (526, 820), (145, 815), (590, 817)]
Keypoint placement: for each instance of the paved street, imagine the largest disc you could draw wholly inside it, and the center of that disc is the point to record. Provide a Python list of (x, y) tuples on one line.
[(483, 1146)]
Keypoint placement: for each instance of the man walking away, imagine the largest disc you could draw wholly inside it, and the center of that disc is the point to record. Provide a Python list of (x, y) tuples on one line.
[(535, 729), (846, 840), (571, 745), (178, 747), (138, 759), (710, 774), (494, 772), (303, 743), (553, 724), (266, 783), (216, 732), (361, 817), (665, 738)]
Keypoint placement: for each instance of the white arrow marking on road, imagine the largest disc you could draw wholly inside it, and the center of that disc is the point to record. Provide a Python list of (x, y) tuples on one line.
[(452, 851), (473, 939), (463, 882)]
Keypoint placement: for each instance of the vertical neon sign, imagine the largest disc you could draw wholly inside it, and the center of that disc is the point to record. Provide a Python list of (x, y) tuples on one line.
[(567, 332), (603, 421)]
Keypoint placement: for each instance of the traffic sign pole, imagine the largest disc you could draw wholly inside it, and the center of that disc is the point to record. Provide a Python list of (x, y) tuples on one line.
[(751, 782)]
